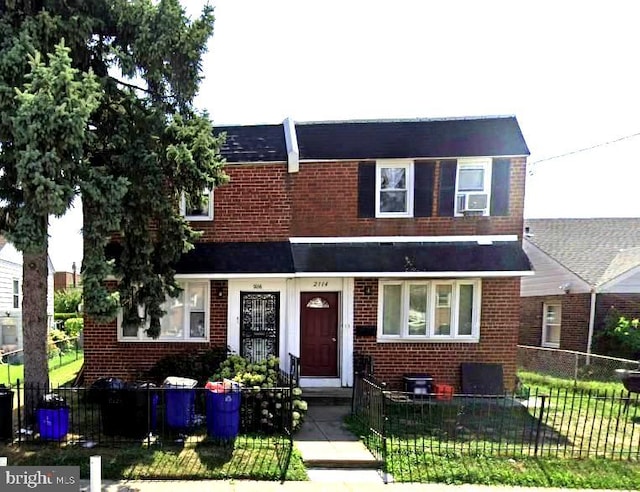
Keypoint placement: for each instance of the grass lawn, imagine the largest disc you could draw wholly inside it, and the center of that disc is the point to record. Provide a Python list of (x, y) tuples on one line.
[(66, 374), (63, 365), (523, 471), (540, 381), (248, 458), (588, 436)]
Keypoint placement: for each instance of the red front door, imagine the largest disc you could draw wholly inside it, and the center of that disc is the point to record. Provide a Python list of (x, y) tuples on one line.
[(319, 334)]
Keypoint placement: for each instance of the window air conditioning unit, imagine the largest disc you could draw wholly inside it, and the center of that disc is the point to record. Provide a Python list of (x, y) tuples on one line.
[(472, 203)]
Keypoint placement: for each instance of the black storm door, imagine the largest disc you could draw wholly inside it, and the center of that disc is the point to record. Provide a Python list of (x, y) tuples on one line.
[(259, 325)]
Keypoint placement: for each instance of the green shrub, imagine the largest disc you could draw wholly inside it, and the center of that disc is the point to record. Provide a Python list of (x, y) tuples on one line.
[(64, 316), (67, 301), (619, 338), (57, 343), (264, 407), (73, 326)]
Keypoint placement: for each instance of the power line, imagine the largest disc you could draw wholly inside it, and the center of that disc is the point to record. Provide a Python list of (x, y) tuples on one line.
[(626, 137)]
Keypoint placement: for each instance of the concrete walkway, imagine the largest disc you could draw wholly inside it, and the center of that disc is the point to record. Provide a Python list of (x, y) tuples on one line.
[(324, 442)]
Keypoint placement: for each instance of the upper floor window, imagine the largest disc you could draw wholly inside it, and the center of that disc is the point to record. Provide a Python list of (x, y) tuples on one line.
[(186, 318), (473, 187), (16, 294), (197, 206), (444, 310), (394, 188)]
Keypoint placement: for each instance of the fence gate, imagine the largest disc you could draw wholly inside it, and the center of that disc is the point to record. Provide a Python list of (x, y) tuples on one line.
[(259, 331)]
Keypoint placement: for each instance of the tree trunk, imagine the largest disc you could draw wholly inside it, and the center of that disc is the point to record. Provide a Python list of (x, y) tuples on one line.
[(34, 327)]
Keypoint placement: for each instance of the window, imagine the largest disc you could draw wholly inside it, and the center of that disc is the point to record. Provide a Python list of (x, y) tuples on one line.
[(16, 294), (186, 318), (473, 187), (197, 207), (442, 310), (551, 324), (394, 188)]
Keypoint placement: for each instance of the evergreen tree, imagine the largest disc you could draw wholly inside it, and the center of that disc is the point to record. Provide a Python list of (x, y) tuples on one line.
[(111, 117)]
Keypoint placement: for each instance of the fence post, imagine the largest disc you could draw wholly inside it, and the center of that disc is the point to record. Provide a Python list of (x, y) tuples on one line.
[(95, 474), (539, 425), (575, 369), (19, 412), (384, 432)]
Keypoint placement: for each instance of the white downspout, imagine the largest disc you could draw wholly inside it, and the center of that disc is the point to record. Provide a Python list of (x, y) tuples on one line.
[(592, 320), (291, 141)]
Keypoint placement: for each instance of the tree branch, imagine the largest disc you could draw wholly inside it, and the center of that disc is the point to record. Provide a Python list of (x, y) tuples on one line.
[(132, 86)]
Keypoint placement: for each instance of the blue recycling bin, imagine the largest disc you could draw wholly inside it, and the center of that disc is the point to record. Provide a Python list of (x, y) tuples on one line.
[(223, 411), (53, 418), (180, 399)]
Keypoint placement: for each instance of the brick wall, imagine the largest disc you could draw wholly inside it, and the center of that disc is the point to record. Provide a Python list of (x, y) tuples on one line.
[(575, 320), (65, 280), (263, 202), (498, 338), (105, 356), (254, 206)]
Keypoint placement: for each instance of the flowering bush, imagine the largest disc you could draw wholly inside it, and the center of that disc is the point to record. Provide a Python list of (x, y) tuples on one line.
[(267, 406)]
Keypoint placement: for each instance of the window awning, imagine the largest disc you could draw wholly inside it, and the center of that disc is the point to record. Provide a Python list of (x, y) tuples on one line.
[(358, 259), (411, 258)]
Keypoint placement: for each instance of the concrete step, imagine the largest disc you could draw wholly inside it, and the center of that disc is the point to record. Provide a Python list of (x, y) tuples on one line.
[(327, 396), (343, 464), (354, 475)]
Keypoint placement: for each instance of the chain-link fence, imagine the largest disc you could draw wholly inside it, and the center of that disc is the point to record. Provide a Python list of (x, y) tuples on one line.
[(568, 364)]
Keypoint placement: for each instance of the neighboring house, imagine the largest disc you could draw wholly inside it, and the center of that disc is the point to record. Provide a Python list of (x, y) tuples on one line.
[(584, 267), (66, 280), (400, 240), (11, 296)]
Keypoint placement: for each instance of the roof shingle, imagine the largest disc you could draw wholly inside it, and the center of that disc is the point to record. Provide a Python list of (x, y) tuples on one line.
[(597, 250), (453, 137)]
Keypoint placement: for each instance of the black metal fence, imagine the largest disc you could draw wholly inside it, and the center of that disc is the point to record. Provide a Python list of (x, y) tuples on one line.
[(113, 414), (402, 428)]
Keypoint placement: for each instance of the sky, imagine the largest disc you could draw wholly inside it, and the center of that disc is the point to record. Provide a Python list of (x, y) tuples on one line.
[(567, 70)]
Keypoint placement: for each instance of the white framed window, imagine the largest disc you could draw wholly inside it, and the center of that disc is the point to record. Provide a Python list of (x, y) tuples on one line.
[(186, 319), (197, 207), (473, 187), (551, 324), (394, 188), (438, 310), (16, 293)]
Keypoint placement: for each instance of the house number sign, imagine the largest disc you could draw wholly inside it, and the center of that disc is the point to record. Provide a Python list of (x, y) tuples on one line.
[(322, 283), (257, 286)]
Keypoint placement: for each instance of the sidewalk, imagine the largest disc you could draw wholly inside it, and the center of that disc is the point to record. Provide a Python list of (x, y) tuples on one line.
[(251, 486)]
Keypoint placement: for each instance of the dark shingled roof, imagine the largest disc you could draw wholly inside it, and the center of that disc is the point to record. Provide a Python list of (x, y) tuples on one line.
[(258, 257), (456, 137), (283, 257), (597, 250), (410, 257)]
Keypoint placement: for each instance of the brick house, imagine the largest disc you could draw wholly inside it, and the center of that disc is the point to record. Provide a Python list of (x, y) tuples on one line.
[(584, 267), (396, 239)]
